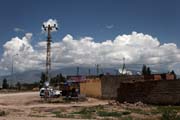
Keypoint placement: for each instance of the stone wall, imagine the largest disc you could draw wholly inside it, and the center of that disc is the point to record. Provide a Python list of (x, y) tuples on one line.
[(153, 92), (110, 84)]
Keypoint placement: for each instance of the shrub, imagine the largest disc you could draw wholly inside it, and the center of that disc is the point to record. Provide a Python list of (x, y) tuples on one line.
[(109, 114), (170, 115), (2, 113)]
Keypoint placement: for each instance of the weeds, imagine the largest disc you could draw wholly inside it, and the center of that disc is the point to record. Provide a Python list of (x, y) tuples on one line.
[(109, 114), (85, 113), (127, 118), (61, 115), (138, 111), (169, 114), (126, 113), (2, 113), (37, 115)]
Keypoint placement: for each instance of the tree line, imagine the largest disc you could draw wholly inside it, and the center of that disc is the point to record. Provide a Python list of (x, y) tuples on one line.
[(147, 71), (19, 86), (54, 81)]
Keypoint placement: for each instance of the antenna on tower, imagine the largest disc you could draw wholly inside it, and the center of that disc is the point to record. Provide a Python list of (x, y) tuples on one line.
[(77, 70), (124, 66), (89, 71), (48, 29), (97, 69)]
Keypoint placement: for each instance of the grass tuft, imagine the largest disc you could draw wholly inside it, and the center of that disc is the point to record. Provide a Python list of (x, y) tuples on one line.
[(2, 113), (58, 114), (109, 114)]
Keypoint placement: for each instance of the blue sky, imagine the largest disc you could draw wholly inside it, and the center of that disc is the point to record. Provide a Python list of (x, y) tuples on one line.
[(159, 18), (100, 19)]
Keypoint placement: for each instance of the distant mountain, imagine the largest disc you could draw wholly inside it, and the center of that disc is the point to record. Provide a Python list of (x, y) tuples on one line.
[(24, 77), (34, 76)]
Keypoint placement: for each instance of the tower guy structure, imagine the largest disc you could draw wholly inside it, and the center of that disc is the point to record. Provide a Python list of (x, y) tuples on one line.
[(48, 29)]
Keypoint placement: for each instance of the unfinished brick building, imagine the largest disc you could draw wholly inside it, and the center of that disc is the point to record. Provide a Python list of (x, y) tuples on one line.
[(105, 86), (165, 92)]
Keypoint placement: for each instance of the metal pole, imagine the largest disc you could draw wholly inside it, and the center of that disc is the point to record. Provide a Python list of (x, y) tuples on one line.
[(97, 69), (89, 71), (48, 28), (124, 66), (12, 69), (77, 71)]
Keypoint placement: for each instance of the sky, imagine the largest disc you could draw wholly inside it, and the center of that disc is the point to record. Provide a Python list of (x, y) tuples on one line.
[(91, 32)]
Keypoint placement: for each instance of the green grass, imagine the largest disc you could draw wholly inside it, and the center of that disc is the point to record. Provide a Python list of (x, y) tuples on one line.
[(58, 114), (171, 108), (127, 118), (2, 113), (109, 114), (126, 113), (37, 115), (87, 112), (167, 112), (138, 111)]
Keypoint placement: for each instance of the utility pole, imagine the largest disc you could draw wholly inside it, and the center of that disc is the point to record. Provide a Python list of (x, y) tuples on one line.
[(97, 69), (89, 71), (124, 66), (77, 71), (48, 29), (12, 69), (116, 72)]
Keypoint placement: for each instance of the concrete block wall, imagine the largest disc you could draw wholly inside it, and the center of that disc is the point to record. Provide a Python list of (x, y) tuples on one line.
[(91, 88), (105, 86), (165, 92), (110, 84)]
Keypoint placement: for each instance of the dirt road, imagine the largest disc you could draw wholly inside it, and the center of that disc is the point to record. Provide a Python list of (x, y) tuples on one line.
[(29, 106)]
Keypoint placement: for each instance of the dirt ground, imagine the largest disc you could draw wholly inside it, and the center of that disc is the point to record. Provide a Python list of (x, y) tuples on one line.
[(29, 106)]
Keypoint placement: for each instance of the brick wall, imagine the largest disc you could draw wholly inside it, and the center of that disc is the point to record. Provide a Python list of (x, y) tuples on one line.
[(110, 84), (153, 92)]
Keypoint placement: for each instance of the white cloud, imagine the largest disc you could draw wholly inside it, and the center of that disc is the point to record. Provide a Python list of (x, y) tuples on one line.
[(137, 48), (18, 30), (109, 26), (50, 22)]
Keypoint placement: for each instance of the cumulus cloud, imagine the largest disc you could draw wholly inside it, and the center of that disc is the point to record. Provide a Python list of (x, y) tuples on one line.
[(21, 51), (136, 48), (50, 22)]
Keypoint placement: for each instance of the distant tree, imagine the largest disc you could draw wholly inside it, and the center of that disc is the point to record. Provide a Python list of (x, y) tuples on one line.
[(55, 81), (144, 70), (148, 71), (18, 85), (172, 72), (43, 80), (5, 84), (62, 78), (29, 86)]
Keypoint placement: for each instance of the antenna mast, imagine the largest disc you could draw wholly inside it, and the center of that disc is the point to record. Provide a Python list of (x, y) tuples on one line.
[(124, 66), (48, 29)]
